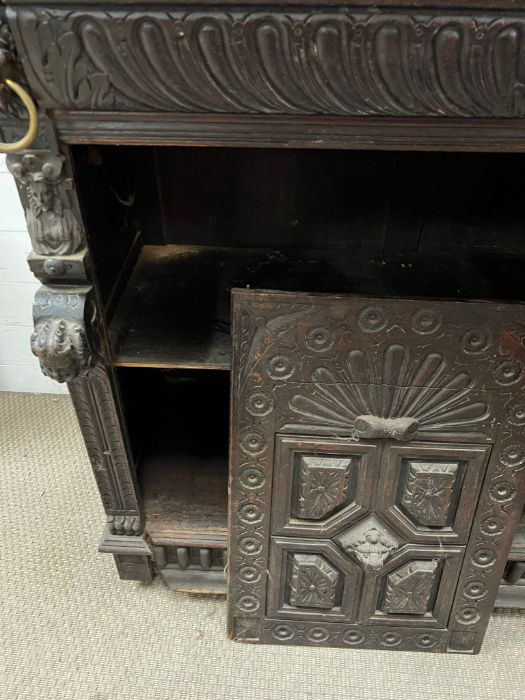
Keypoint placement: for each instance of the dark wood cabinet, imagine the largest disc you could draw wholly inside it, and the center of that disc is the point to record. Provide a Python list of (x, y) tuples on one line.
[(361, 164)]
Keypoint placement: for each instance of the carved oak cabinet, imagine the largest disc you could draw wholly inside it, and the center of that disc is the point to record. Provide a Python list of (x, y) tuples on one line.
[(353, 173)]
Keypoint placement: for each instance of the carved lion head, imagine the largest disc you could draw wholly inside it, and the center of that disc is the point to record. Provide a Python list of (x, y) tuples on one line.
[(62, 348)]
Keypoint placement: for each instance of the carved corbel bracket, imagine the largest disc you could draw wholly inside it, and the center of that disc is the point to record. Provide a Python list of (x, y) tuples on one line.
[(60, 340), (52, 224)]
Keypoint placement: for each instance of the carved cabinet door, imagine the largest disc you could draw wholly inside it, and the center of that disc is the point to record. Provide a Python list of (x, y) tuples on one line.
[(377, 468)]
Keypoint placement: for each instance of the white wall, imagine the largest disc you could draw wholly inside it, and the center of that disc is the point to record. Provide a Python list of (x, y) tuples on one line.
[(19, 369)]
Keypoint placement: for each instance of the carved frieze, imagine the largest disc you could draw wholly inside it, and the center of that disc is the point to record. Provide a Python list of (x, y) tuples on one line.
[(60, 340), (52, 225), (347, 62), (408, 589)]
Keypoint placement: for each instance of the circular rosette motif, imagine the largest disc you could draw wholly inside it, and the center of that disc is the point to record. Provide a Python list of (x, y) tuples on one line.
[(259, 404), (475, 590), (426, 640), (250, 545), (508, 372), (253, 442), (468, 615), (353, 637), (484, 557), (390, 639), (516, 414), (280, 367), (513, 456), (320, 339), (493, 525), (251, 477), (373, 319), (476, 341), (426, 321), (248, 603), (502, 491), (249, 574), (317, 634), (250, 513), (283, 632)]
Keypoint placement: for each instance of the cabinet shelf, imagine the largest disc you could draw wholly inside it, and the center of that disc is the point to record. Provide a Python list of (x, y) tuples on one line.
[(185, 499), (175, 309)]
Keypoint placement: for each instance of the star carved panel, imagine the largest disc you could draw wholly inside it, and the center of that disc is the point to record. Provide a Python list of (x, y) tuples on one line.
[(314, 582), (429, 490), (409, 588), (322, 486)]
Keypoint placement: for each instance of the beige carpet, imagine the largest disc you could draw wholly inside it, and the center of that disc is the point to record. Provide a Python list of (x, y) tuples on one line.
[(70, 629)]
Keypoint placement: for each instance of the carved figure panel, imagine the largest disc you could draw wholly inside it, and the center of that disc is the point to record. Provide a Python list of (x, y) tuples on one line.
[(429, 490), (52, 225), (313, 582), (408, 589), (295, 62), (435, 482), (323, 485)]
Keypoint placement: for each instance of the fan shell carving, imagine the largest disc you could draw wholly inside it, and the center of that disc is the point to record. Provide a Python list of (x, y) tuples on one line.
[(427, 390)]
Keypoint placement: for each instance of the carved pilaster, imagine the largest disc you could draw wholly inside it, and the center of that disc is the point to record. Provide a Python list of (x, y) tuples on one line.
[(70, 342), (94, 400)]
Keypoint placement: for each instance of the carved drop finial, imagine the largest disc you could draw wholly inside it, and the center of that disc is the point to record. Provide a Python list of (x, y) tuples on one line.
[(62, 348), (52, 225)]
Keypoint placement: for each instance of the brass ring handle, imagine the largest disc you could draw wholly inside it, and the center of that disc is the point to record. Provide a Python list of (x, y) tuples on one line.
[(29, 137)]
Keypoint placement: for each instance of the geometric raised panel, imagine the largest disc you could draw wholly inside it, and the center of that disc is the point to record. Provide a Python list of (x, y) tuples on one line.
[(408, 589), (370, 541), (428, 491), (314, 582), (323, 485)]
